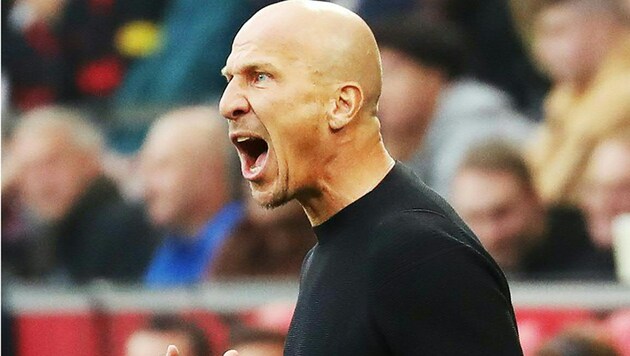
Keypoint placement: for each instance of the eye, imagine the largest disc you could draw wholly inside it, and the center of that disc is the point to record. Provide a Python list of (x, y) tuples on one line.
[(261, 77)]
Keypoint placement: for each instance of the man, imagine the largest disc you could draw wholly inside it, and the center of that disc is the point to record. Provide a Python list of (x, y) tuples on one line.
[(605, 195), (395, 271), (430, 111), (184, 164), (55, 156), (494, 193), (161, 330), (583, 46)]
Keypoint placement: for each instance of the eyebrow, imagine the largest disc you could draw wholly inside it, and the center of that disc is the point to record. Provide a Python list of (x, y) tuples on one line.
[(250, 67)]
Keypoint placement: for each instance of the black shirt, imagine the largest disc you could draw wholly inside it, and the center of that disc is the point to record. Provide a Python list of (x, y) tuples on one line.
[(398, 273)]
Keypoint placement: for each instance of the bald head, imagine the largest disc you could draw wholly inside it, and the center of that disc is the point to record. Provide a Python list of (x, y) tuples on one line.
[(304, 78), (184, 165), (334, 44)]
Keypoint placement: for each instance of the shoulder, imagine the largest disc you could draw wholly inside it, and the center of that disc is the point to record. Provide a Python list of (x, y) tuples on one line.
[(415, 238)]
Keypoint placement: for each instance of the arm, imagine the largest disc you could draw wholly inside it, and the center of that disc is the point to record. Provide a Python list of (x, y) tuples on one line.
[(435, 295), (447, 305)]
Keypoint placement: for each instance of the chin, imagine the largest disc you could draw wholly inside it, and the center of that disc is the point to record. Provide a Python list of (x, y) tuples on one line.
[(269, 199)]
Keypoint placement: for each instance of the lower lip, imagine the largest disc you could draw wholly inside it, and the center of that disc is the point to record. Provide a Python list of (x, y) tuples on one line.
[(255, 174)]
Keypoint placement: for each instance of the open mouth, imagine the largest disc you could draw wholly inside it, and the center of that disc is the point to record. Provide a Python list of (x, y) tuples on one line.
[(253, 152)]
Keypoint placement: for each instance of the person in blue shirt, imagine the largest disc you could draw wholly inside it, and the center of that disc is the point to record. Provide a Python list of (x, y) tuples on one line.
[(184, 165)]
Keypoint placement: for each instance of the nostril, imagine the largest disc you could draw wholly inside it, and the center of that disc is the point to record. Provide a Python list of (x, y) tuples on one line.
[(237, 113)]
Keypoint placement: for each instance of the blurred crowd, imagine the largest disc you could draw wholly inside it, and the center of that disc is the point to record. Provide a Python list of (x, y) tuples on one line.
[(116, 164)]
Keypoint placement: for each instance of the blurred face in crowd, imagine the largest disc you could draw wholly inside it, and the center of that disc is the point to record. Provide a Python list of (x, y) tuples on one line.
[(408, 100), (502, 212), (152, 343), (53, 171), (571, 41), (606, 192), (183, 170)]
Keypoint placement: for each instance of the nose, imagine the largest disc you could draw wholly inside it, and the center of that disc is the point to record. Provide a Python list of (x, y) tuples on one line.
[(233, 103)]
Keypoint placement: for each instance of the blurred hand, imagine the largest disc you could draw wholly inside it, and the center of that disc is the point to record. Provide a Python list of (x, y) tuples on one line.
[(172, 351)]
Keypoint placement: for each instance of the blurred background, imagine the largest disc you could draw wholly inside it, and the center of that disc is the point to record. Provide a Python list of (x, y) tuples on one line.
[(126, 225)]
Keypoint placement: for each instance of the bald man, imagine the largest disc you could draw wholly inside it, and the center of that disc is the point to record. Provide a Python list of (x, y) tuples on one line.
[(395, 271), (184, 163)]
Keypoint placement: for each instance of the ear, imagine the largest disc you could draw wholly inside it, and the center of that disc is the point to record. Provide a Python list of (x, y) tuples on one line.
[(346, 104)]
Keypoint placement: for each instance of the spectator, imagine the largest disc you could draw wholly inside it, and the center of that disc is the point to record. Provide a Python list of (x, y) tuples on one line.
[(55, 159), (583, 46), (257, 342), (494, 194), (430, 113), (266, 243), (184, 162), (579, 341), (605, 194), (164, 330)]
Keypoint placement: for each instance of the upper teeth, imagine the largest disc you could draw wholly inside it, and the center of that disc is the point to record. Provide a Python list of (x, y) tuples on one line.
[(242, 139)]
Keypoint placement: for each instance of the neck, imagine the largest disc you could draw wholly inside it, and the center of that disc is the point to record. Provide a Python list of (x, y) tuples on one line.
[(352, 173)]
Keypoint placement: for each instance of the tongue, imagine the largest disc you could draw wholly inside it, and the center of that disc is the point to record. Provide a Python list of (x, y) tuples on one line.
[(260, 159)]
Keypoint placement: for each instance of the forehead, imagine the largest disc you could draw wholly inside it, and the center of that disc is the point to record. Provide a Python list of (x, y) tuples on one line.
[(271, 40), (269, 55)]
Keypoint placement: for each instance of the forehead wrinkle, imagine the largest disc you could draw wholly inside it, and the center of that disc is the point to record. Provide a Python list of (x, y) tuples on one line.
[(275, 58)]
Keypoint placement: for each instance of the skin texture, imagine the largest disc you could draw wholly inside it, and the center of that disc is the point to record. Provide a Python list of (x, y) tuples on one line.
[(505, 214), (183, 165), (305, 77)]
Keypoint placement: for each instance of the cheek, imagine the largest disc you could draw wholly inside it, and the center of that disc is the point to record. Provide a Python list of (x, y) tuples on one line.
[(296, 135)]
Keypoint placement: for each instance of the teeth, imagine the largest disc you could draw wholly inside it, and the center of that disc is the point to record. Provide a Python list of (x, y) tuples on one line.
[(242, 139)]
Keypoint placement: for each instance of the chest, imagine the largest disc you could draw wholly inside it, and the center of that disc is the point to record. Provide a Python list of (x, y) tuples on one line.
[(333, 314)]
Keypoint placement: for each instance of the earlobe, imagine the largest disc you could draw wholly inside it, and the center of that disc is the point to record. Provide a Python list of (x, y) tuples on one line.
[(346, 105)]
